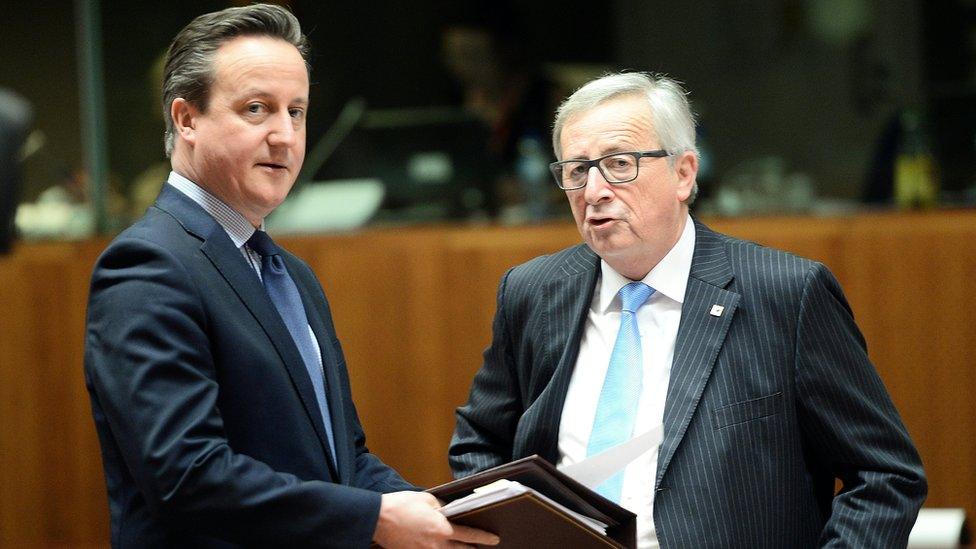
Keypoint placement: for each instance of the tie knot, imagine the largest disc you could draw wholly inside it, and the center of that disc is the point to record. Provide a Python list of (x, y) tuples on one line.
[(261, 243), (633, 295)]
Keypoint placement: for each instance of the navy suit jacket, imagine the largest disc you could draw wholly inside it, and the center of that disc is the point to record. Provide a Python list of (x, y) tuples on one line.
[(209, 427), (767, 403)]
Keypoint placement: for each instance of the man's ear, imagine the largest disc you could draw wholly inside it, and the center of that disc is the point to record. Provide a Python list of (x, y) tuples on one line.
[(184, 115), (686, 171)]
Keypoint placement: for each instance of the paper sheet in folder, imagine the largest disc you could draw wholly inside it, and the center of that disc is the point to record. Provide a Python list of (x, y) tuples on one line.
[(537, 506)]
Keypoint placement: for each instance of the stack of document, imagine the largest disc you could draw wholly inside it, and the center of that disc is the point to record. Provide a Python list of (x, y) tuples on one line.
[(504, 489), (535, 505), (529, 503)]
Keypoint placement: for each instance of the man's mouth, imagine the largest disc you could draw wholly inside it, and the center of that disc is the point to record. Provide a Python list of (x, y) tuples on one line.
[(601, 221), (272, 165)]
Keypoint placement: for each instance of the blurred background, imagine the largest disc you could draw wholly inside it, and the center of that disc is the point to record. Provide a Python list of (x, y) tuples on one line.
[(444, 108), (843, 130)]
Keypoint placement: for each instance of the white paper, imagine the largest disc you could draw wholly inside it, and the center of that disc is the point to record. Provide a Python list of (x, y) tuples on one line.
[(937, 528), (592, 471)]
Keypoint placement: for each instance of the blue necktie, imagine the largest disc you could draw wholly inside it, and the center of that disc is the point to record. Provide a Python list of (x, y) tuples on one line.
[(616, 410), (284, 294)]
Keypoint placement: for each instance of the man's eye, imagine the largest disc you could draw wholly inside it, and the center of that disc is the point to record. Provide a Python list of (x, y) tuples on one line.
[(255, 108), (297, 113), (577, 169)]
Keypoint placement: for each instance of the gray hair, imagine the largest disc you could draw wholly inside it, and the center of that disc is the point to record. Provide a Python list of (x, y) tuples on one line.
[(189, 73), (674, 123)]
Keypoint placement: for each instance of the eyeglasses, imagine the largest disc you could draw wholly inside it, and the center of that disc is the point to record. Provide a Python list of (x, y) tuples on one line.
[(616, 168)]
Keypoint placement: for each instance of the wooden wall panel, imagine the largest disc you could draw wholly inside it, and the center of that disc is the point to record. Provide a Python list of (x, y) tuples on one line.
[(413, 309), (21, 480), (51, 488), (911, 290)]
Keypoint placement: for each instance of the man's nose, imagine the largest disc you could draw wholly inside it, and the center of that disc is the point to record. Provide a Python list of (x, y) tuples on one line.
[(283, 131), (597, 189)]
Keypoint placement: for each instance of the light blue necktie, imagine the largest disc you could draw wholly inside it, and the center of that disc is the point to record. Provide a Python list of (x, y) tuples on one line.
[(616, 411), (284, 294)]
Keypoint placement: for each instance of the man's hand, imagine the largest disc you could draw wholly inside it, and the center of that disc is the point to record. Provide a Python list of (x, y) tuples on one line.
[(411, 519)]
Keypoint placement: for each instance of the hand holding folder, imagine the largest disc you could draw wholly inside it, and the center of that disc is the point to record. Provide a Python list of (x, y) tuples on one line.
[(529, 503), (543, 512)]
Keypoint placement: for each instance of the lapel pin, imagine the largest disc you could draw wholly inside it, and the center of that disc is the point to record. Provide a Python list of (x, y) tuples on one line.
[(717, 310)]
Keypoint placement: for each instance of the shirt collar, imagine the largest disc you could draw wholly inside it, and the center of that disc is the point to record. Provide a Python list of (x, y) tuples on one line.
[(669, 277), (236, 225)]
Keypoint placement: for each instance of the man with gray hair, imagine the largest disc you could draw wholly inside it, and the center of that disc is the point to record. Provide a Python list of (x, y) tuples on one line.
[(217, 383), (748, 356)]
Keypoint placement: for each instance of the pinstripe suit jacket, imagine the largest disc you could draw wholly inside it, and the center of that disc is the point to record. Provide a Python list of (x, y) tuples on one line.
[(767, 404)]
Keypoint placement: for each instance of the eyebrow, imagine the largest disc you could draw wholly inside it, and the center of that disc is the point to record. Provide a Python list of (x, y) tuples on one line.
[(255, 92), (607, 151)]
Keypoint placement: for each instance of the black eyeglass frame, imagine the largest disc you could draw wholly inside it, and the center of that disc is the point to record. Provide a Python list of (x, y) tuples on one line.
[(556, 167)]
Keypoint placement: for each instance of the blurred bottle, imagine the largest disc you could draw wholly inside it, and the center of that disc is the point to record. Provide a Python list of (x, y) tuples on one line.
[(915, 180), (532, 169)]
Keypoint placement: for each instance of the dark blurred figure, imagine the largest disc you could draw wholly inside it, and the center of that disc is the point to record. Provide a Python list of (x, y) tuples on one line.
[(903, 169), (878, 187), (503, 85), (15, 122)]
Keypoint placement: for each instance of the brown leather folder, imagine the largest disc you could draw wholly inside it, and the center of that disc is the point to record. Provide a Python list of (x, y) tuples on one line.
[(526, 520)]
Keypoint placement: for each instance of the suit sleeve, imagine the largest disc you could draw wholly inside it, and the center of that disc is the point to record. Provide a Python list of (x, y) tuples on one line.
[(851, 425), (485, 425), (153, 380)]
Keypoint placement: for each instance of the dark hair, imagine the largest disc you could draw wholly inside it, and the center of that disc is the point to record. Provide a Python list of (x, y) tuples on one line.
[(188, 72)]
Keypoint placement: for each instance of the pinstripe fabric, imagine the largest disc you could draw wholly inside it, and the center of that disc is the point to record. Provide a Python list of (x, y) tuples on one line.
[(767, 404)]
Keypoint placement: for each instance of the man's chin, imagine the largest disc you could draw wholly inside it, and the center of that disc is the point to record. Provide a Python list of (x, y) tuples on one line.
[(606, 245)]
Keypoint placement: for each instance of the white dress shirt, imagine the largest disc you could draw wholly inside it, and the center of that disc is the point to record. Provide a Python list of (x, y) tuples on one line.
[(657, 321)]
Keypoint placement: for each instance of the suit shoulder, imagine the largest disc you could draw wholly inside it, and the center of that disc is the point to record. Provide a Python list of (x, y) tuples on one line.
[(750, 257), (155, 242), (564, 272), (570, 261), (770, 274), (155, 228)]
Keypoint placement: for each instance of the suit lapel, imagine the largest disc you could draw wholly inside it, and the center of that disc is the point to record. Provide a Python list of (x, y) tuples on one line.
[(229, 262), (333, 388), (700, 336), (567, 300)]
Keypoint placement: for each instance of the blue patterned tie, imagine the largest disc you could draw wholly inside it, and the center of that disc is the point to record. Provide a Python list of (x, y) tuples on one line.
[(616, 411), (284, 294)]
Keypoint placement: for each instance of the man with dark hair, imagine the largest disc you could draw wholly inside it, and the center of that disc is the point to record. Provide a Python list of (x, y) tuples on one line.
[(217, 382), (748, 356)]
